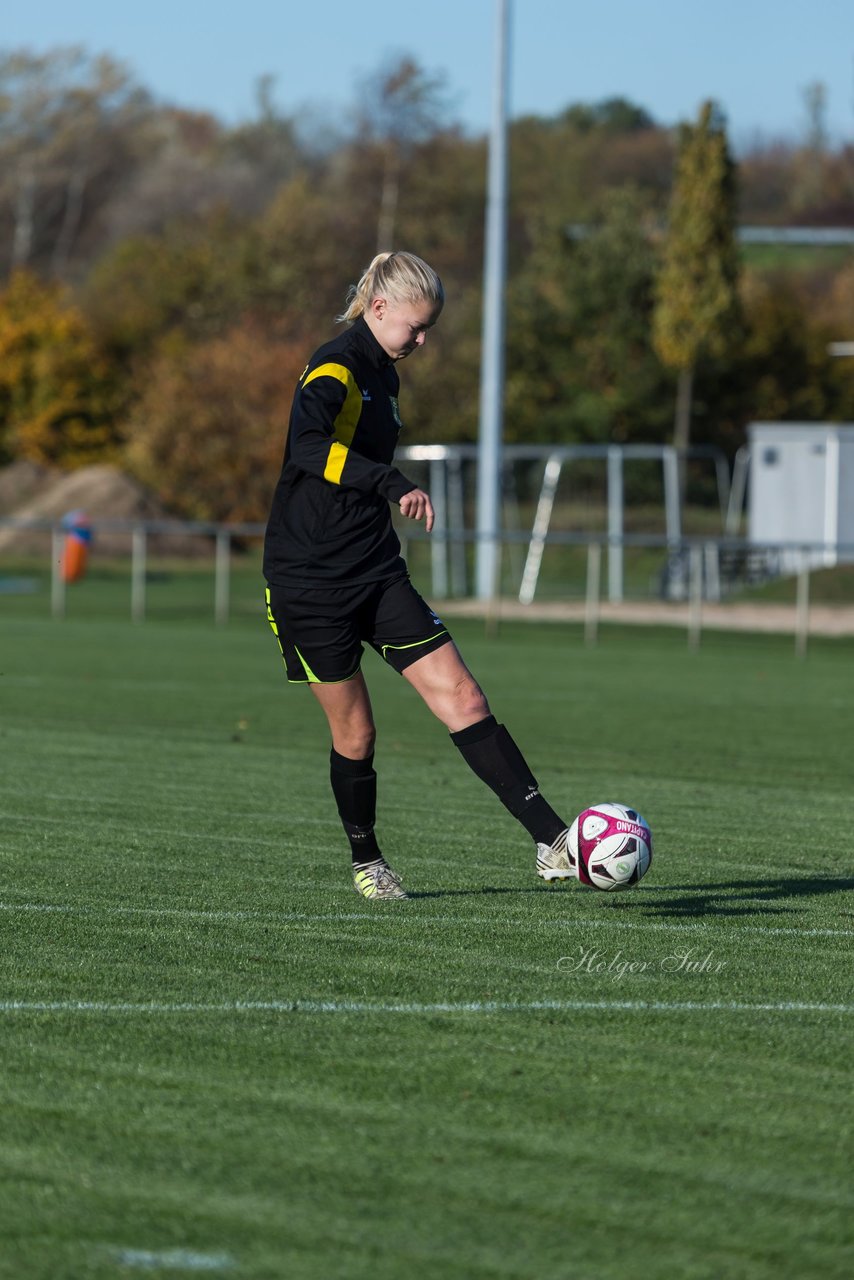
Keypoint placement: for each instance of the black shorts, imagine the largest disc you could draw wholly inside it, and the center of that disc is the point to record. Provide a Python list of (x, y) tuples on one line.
[(320, 629)]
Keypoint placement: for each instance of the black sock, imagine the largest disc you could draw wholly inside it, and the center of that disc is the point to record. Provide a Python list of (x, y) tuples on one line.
[(491, 753), (354, 785)]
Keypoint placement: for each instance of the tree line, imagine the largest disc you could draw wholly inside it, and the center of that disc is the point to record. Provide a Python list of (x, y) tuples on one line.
[(166, 276)]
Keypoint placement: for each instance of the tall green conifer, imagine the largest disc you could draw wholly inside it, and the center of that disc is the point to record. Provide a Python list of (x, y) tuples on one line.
[(696, 296)]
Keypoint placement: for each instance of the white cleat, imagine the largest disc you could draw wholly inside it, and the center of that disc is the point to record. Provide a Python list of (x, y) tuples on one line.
[(377, 882), (555, 862)]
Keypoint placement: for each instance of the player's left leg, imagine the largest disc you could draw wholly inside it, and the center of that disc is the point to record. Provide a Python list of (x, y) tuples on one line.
[(454, 696)]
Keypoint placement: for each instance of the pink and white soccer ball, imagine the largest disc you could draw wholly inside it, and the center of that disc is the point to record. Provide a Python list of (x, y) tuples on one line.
[(612, 845)]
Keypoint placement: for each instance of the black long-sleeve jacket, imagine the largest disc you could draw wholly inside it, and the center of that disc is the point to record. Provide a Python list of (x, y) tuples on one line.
[(330, 519)]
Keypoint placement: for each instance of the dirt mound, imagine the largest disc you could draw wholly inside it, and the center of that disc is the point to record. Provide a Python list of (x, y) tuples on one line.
[(102, 492), (21, 482)]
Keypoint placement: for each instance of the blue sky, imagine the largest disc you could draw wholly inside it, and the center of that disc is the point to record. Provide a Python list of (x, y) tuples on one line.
[(756, 57)]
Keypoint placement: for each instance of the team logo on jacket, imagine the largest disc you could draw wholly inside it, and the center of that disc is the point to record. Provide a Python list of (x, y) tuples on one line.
[(395, 408)]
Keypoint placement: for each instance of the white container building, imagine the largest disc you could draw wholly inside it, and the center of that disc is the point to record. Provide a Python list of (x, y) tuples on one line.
[(802, 490)]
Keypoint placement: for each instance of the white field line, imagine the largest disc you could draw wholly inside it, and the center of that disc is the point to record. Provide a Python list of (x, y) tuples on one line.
[(173, 833), (178, 1259), (374, 916), (416, 1007)]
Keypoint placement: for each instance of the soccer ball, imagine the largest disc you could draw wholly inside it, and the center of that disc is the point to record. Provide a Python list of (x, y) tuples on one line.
[(612, 846)]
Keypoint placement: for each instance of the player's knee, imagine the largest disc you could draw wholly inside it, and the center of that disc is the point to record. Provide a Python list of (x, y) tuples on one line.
[(356, 741), (470, 702)]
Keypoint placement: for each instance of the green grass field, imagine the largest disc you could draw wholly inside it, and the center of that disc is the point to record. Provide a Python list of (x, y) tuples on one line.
[(217, 1059)]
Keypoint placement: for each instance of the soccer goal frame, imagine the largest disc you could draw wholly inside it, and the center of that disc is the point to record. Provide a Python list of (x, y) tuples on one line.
[(446, 487)]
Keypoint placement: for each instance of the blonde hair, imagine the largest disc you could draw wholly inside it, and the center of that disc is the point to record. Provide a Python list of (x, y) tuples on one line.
[(400, 277)]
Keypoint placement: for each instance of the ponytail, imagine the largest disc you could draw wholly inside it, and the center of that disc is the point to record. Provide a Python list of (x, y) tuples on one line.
[(400, 277)]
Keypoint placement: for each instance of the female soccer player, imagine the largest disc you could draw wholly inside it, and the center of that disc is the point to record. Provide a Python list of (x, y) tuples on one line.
[(335, 576)]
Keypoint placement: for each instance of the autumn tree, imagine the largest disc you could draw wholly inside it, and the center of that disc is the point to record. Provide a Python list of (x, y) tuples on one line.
[(267, 145), (587, 151), (193, 167), (398, 107), (195, 278), (696, 310), (580, 364), (66, 123), (790, 374), (56, 393), (208, 430), (810, 165)]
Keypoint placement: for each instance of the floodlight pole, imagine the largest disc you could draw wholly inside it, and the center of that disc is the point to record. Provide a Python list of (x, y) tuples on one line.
[(492, 331)]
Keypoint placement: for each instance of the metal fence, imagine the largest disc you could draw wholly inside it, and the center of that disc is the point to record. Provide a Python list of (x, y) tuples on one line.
[(138, 533), (695, 572)]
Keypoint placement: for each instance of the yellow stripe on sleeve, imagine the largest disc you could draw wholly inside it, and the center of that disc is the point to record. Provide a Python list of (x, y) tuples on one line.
[(335, 462), (345, 423)]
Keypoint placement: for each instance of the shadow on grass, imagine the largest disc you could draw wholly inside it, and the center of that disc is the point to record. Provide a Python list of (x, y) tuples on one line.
[(738, 897), (729, 898)]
